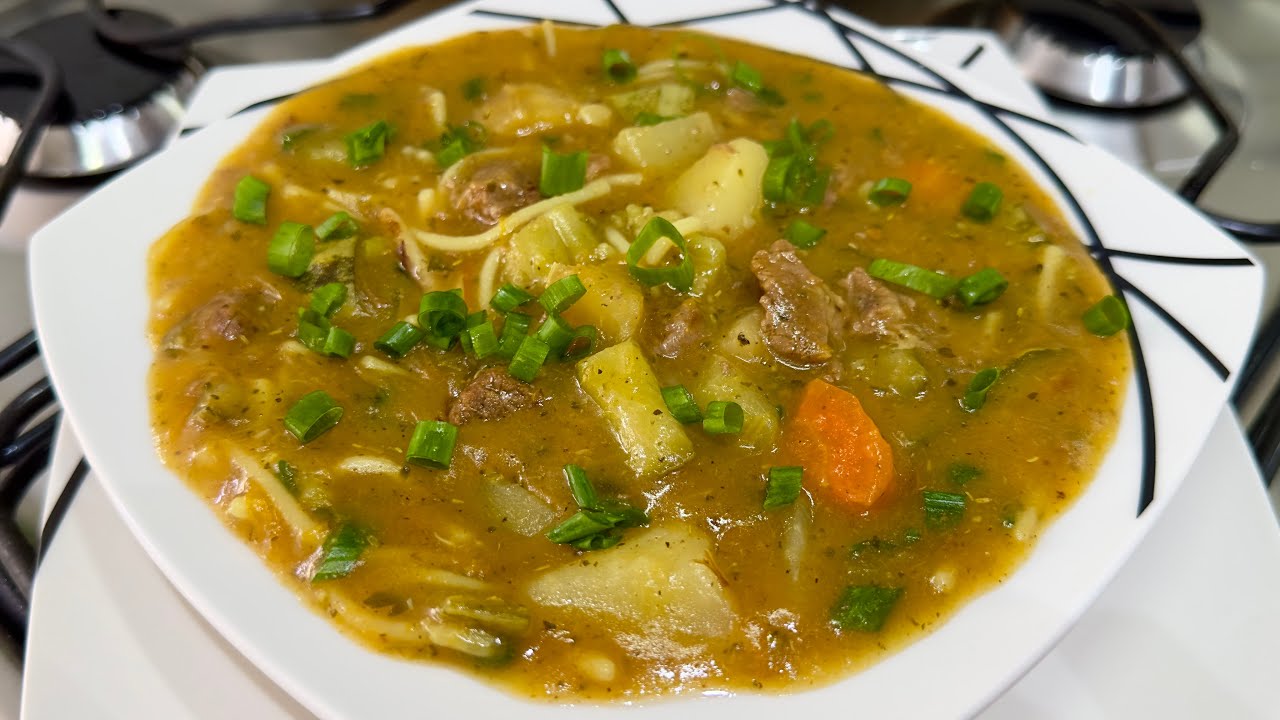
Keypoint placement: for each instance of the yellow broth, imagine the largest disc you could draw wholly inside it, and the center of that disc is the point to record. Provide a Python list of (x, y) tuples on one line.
[(228, 368)]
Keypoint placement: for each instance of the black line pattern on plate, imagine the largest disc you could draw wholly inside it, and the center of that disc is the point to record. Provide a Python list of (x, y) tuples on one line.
[(530, 18), (1187, 336), (617, 12), (1176, 259), (973, 56)]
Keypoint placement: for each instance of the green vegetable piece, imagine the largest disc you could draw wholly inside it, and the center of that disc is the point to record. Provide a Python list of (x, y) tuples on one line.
[(337, 226), (975, 396), (942, 509), (562, 172), (803, 235), (931, 283), (618, 66), (981, 287), (783, 486), (328, 299), (312, 416), (983, 202), (340, 554), (291, 249), (432, 444), (889, 191), (368, 144), (678, 277), (1107, 317), (681, 404), (864, 608), (250, 202), (962, 473), (722, 417), (288, 476)]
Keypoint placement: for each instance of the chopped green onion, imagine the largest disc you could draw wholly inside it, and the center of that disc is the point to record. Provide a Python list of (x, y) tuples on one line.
[(509, 297), (680, 276), (681, 405), (368, 144), (942, 509), (528, 359), (340, 554), (294, 135), (889, 191), (975, 396), (562, 172), (432, 444), (473, 89), (599, 541), (562, 293), (475, 319), (338, 343), (556, 333), (442, 314), (484, 340), (514, 330), (287, 475), (582, 344), (981, 287), (328, 299), (291, 249), (1107, 317), (584, 493), (803, 235), (618, 66), (983, 202), (400, 339), (591, 527), (962, 473), (250, 203), (457, 142), (645, 118), (774, 181), (783, 486), (312, 416), (337, 226), (581, 524), (722, 417), (313, 329), (933, 284), (864, 607), (746, 77)]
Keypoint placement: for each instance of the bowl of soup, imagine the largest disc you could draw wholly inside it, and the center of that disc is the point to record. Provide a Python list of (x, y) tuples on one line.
[(553, 370)]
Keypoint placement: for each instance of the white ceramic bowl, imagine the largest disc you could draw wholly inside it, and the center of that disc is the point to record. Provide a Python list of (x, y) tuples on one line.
[(1194, 295)]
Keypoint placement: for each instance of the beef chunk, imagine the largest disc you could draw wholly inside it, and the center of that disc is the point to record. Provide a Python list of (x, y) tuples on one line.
[(799, 310), (491, 395), (683, 330), (494, 191), (872, 308), (227, 317)]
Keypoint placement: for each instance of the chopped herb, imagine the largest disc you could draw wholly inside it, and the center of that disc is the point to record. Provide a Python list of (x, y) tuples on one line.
[(681, 405), (678, 277), (562, 172), (340, 554), (287, 475), (473, 90), (618, 66), (783, 486), (645, 118), (368, 144), (864, 607), (457, 142), (962, 473), (1106, 317), (250, 202), (291, 249), (942, 509), (312, 416), (562, 293), (337, 226), (803, 235), (975, 396)]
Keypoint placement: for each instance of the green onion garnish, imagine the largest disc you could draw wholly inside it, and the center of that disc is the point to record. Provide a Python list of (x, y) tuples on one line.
[(337, 226), (983, 202), (618, 66), (561, 294), (562, 172), (556, 333), (579, 525), (591, 528), (312, 416), (889, 191), (287, 475), (975, 396), (681, 405), (340, 554), (783, 486), (400, 339), (368, 144), (514, 329), (529, 357), (473, 89), (457, 142), (338, 343), (582, 344), (432, 444), (484, 340), (509, 297), (295, 134), (328, 299), (962, 473), (774, 181), (1107, 317), (584, 493), (981, 287), (313, 329), (933, 284), (803, 235), (864, 607), (750, 79), (291, 249), (942, 509), (250, 203), (475, 319), (599, 541), (680, 276), (722, 417), (646, 119), (442, 315)]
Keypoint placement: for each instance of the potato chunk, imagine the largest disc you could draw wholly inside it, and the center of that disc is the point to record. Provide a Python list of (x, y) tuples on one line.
[(526, 108), (666, 146), (723, 187), (721, 380), (562, 236), (659, 583), (621, 382), (614, 303)]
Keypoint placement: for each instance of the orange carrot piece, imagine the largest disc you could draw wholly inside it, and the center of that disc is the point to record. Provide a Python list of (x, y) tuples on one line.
[(932, 182), (840, 446)]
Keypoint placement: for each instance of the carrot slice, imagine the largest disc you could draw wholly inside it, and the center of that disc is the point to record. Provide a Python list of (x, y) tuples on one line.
[(840, 446)]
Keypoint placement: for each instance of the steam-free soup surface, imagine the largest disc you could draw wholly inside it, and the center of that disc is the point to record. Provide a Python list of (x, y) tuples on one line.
[(852, 378)]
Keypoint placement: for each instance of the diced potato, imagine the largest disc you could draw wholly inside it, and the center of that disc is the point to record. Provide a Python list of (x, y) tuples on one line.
[(614, 303), (562, 236), (657, 583), (667, 100), (721, 380), (723, 188), (897, 370), (666, 146), (742, 339), (516, 508), (707, 254), (621, 382), (526, 108)]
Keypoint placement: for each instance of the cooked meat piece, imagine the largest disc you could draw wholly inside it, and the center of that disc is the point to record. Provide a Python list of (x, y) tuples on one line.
[(491, 395), (494, 191), (226, 317), (684, 329), (872, 308), (799, 310)]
